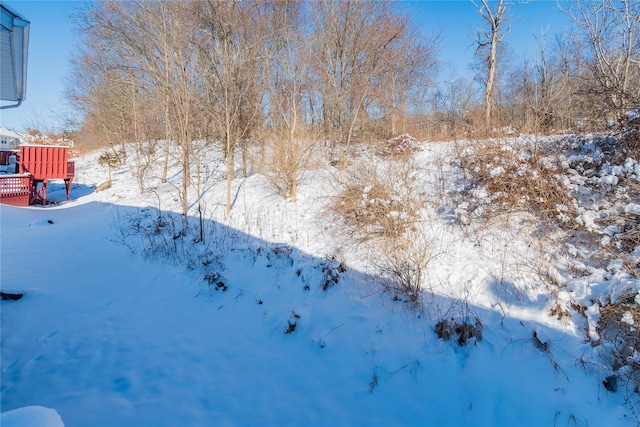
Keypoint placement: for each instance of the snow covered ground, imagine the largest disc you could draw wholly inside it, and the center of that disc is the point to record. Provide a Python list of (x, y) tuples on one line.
[(239, 331)]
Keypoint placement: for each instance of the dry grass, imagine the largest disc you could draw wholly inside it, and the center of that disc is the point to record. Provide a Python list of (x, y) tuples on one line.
[(380, 205), (283, 162), (402, 264), (517, 179), (400, 148), (378, 201)]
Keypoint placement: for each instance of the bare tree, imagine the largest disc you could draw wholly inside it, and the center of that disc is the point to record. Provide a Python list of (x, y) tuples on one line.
[(95, 86), (288, 147), (225, 70), (228, 42), (353, 40), (610, 30), (148, 40), (487, 41), (551, 101), (453, 101), (539, 95), (408, 79)]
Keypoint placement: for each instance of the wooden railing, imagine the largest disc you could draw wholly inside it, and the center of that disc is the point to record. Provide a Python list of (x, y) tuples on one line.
[(15, 189)]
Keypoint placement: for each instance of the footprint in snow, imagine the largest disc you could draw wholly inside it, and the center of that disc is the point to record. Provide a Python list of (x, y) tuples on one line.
[(11, 365), (41, 222), (48, 336)]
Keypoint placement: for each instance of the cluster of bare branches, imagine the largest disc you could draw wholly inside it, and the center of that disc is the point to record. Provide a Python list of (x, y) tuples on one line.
[(380, 205), (262, 74), (522, 178), (348, 70), (272, 81), (378, 202), (609, 35), (588, 79), (584, 79)]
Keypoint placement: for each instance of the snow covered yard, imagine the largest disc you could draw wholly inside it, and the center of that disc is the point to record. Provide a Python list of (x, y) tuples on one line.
[(262, 324)]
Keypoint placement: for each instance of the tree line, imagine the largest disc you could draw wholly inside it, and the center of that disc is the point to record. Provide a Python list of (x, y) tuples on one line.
[(280, 77)]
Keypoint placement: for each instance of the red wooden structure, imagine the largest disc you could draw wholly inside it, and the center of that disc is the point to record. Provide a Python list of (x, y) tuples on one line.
[(15, 190), (37, 164)]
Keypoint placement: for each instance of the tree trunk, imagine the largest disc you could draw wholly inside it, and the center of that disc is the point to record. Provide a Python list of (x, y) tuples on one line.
[(491, 75)]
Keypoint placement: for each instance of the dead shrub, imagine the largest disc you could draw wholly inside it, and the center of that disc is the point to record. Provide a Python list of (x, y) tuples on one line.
[(465, 330), (282, 162), (332, 268), (619, 331), (403, 262), (619, 324), (516, 178), (378, 201), (400, 147), (627, 145), (380, 205)]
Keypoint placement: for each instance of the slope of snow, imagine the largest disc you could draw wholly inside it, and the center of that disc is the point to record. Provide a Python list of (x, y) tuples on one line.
[(110, 332), (31, 416)]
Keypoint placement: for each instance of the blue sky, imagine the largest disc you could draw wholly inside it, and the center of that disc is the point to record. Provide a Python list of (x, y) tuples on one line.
[(52, 42), (457, 21)]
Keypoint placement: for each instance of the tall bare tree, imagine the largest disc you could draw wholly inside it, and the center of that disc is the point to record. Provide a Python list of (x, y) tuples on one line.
[(223, 70), (487, 41), (406, 82), (228, 43), (148, 39), (289, 143)]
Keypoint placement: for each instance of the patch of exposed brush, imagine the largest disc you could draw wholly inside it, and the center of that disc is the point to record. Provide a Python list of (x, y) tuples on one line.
[(381, 206), (280, 256), (507, 177), (378, 200), (215, 282), (332, 268), (581, 193), (292, 323), (403, 262), (462, 330), (606, 176), (619, 331), (402, 146)]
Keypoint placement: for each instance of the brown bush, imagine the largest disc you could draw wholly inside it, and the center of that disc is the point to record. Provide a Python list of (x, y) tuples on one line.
[(400, 147), (402, 263), (378, 201), (517, 178), (380, 205), (284, 161)]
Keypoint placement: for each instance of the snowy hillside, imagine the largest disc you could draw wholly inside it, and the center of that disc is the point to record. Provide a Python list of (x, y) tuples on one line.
[(278, 318)]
